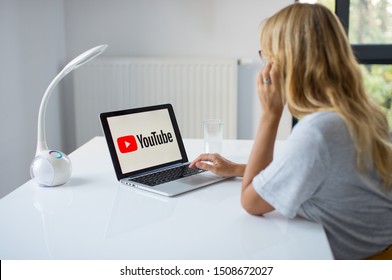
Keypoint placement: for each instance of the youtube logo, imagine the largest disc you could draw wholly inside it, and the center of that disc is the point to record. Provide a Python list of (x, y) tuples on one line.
[(127, 144)]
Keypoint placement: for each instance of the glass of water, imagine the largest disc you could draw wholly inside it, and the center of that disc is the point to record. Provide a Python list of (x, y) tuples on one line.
[(213, 136)]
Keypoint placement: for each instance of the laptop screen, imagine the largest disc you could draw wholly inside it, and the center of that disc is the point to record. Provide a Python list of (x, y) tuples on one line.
[(143, 139)]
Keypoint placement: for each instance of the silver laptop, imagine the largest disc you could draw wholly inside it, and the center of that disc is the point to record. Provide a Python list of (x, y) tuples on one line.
[(147, 151)]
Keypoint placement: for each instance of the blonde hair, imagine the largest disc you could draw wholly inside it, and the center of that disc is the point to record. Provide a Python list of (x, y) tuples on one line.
[(319, 72)]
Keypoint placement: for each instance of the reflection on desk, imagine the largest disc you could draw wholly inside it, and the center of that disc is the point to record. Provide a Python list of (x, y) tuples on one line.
[(95, 217)]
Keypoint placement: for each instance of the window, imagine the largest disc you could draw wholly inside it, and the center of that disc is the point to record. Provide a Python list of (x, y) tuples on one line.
[(370, 22), (369, 28), (328, 3)]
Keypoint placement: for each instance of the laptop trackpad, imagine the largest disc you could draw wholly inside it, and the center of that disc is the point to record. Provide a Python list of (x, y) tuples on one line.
[(200, 179), (188, 183)]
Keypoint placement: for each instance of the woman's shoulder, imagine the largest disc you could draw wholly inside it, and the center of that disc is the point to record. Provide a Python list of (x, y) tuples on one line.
[(327, 127), (323, 122), (322, 118)]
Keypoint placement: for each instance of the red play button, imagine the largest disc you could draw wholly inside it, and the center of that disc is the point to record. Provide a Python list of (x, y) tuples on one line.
[(127, 144)]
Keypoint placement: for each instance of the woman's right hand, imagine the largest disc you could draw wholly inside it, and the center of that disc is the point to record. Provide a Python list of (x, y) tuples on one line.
[(269, 91), (218, 165)]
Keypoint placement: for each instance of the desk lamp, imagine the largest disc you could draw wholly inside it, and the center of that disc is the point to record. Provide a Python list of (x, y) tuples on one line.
[(52, 167)]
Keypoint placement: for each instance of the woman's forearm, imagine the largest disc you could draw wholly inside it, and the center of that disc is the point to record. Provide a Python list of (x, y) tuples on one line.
[(263, 148)]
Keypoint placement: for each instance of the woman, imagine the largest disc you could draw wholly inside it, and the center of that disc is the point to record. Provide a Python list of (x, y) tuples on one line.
[(336, 165)]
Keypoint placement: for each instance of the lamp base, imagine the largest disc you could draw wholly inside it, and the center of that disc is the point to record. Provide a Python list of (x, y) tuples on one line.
[(51, 168)]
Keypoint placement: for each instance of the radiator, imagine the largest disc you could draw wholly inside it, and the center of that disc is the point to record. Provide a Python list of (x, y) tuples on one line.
[(198, 89)]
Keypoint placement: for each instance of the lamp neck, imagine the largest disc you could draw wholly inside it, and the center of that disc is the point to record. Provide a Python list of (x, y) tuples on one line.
[(73, 64), (41, 141)]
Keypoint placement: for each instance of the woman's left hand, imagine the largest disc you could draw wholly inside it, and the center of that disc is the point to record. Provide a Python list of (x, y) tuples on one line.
[(218, 165)]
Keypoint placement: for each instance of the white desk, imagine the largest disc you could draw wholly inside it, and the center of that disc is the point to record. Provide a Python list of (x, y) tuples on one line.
[(95, 217)]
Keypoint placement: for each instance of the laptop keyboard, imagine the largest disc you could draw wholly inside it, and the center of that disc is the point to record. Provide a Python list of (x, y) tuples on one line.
[(167, 175)]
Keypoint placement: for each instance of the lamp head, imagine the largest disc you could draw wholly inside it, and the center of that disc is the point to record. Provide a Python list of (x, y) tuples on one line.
[(83, 58), (52, 167)]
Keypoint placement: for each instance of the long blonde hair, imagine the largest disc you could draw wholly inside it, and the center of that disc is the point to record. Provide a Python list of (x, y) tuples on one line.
[(319, 72)]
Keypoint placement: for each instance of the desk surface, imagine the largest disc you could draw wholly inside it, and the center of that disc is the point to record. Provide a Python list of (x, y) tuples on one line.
[(95, 217)]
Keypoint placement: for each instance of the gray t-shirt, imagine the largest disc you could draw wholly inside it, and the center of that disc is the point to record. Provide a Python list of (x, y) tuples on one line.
[(315, 176)]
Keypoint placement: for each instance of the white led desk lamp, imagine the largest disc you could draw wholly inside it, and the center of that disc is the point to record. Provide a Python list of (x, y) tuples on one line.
[(52, 167)]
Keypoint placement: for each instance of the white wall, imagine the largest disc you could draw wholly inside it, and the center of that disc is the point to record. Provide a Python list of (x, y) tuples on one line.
[(170, 28), (223, 28), (39, 36), (31, 52)]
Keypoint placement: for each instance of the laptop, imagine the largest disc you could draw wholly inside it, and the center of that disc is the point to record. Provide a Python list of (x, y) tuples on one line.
[(148, 153)]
